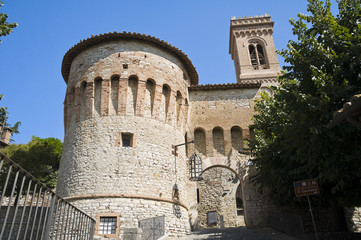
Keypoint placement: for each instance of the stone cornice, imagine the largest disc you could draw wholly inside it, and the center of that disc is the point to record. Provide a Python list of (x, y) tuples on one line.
[(246, 83), (256, 20), (225, 86), (94, 196), (108, 37)]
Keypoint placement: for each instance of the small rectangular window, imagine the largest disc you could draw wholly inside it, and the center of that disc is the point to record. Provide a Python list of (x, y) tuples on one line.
[(127, 140), (107, 225)]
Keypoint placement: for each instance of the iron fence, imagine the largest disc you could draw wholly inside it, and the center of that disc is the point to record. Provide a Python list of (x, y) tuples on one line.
[(30, 210)]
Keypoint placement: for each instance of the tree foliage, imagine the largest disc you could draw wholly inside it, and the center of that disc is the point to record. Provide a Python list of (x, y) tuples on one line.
[(5, 27), (323, 70), (40, 157), (4, 118)]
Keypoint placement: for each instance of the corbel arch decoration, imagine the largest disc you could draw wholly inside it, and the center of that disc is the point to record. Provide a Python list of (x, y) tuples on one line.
[(218, 140), (132, 92), (200, 140), (97, 94), (149, 97), (114, 93)]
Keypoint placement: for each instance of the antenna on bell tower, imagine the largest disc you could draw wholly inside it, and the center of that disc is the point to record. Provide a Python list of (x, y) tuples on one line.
[(252, 48)]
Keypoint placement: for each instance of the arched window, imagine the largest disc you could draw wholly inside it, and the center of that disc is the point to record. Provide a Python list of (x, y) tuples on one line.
[(132, 95), (114, 94), (149, 98), (236, 136), (218, 140), (257, 54), (97, 94), (200, 141)]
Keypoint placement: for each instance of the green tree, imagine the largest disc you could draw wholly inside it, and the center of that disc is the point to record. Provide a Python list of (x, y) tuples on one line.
[(323, 70), (5, 27), (4, 118), (40, 157)]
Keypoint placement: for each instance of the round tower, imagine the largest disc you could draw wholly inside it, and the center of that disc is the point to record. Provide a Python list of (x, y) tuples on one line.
[(125, 106)]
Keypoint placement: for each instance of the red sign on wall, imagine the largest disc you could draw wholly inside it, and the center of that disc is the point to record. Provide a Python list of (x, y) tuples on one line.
[(306, 187)]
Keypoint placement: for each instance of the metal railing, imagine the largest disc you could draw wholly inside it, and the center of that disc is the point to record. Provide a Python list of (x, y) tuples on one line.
[(30, 210)]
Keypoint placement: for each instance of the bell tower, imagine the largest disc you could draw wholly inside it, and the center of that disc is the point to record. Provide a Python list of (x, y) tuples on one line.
[(252, 48)]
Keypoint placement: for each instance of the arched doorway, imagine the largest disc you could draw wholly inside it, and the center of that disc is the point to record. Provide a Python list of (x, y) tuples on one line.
[(217, 206)]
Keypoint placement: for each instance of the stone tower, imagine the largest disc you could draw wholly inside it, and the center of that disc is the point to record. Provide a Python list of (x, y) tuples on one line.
[(252, 48), (125, 105)]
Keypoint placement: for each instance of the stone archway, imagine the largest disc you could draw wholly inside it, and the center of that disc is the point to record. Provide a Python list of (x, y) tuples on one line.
[(217, 206)]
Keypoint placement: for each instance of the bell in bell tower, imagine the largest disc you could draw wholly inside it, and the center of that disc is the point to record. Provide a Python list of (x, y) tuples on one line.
[(252, 48)]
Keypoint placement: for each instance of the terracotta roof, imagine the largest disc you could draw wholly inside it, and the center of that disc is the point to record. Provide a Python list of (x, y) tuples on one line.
[(350, 109), (244, 84), (114, 36)]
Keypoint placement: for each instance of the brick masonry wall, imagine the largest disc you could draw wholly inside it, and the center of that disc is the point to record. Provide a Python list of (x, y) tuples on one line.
[(229, 112)]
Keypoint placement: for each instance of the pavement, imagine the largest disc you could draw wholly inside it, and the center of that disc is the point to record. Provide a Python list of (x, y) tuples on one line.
[(239, 233)]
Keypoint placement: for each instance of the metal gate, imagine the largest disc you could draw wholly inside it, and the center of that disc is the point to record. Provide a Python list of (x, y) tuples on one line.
[(153, 228)]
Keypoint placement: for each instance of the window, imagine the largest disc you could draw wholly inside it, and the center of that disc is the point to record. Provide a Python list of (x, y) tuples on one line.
[(257, 55), (107, 225), (127, 140)]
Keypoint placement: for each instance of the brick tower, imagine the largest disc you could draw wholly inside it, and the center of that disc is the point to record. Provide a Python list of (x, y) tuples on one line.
[(252, 48)]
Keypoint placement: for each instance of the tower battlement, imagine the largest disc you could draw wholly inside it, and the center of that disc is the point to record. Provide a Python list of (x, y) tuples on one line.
[(251, 19)]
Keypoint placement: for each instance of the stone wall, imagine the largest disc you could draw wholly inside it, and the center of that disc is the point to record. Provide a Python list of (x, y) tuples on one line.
[(217, 193), (131, 210), (123, 111)]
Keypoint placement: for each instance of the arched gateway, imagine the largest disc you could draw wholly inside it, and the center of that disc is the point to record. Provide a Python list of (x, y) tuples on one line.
[(217, 206)]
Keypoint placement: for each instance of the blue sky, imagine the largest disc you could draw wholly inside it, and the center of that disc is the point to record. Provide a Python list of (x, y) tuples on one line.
[(30, 57)]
